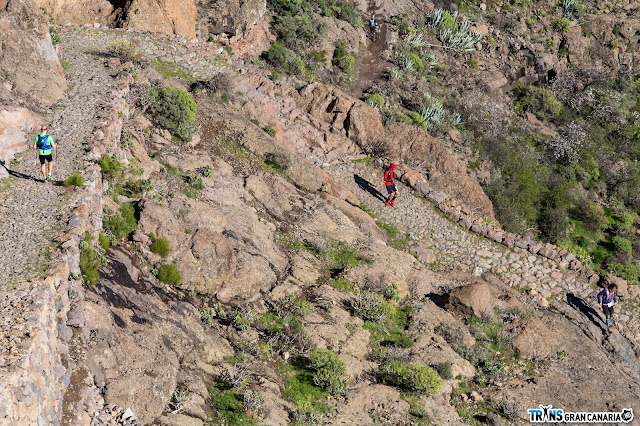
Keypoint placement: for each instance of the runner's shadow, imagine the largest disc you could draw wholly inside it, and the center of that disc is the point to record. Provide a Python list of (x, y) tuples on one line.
[(582, 306), (18, 174), (366, 186)]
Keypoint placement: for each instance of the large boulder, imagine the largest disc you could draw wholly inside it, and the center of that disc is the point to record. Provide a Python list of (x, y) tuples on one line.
[(345, 114), (410, 144), (479, 298), (536, 340)]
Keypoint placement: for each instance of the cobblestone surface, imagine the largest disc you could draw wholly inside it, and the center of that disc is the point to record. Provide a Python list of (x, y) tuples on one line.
[(453, 248), (34, 212)]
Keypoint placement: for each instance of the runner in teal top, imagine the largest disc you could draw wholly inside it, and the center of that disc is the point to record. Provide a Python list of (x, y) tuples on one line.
[(44, 144)]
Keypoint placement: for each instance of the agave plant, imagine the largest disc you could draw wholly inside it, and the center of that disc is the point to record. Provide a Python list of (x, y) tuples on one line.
[(432, 110), (436, 18)]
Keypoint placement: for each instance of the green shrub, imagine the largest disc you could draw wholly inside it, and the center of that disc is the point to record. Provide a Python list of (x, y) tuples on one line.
[(375, 100), (299, 31), (125, 51), (174, 109), (161, 247), (307, 397), (104, 240), (330, 371), (342, 284), (561, 25), (169, 274), (229, 405), (448, 21), (626, 271), (444, 370), (270, 130), (280, 160), (109, 166), (340, 256), (418, 65), (119, 225), (592, 215), (411, 376), (403, 118), (285, 59), (89, 261), (417, 120), (542, 102), (74, 180), (622, 245), (343, 59)]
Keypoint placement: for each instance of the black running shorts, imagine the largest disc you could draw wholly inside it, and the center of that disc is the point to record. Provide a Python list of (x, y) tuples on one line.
[(48, 158), (608, 310), (391, 188)]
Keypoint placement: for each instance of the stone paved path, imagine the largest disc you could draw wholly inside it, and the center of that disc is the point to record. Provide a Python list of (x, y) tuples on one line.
[(32, 212), (457, 249)]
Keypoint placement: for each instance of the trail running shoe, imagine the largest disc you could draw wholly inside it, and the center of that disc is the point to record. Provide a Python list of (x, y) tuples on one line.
[(49, 177), (387, 204), (393, 203)]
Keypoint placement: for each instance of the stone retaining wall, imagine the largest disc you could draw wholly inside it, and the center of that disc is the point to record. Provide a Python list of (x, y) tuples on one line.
[(456, 211), (35, 367)]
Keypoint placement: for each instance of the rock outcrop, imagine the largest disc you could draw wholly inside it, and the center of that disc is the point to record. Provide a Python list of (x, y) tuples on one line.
[(230, 18), (445, 172), (30, 73), (165, 16), (344, 114)]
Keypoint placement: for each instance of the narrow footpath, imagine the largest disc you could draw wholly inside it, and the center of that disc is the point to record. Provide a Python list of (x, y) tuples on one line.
[(34, 212), (371, 66)]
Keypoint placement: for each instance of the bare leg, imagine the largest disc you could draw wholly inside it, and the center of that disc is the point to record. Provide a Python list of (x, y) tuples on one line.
[(50, 167), (43, 168)]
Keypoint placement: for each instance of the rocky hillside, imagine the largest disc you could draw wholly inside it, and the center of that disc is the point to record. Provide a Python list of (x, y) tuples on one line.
[(216, 249)]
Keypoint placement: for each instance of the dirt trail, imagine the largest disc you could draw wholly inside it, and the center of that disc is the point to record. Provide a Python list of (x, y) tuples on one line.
[(372, 67)]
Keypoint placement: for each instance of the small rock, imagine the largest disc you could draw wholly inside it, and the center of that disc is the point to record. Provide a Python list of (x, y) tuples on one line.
[(476, 396)]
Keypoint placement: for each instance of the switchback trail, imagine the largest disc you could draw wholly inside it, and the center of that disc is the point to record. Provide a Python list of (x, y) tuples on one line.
[(372, 65)]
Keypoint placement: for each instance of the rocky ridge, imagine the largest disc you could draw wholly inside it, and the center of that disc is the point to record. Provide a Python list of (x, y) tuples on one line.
[(125, 334)]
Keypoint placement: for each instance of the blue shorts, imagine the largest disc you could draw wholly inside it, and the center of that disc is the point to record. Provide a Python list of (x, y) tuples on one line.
[(391, 188)]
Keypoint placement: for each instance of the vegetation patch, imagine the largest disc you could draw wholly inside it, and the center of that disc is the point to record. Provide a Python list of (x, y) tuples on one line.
[(301, 390), (91, 257), (411, 376), (74, 180), (169, 274), (120, 224), (174, 109), (229, 404), (160, 246)]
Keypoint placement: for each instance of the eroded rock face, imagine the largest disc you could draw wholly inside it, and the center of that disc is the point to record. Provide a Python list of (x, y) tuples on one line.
[(137, 346), (413, 145), (35, 78), (232, 18), (15, 125), (166, 16), (79, 12)]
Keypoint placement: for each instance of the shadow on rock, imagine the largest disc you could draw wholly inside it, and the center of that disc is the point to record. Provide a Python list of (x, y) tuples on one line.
[(365, 185)]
